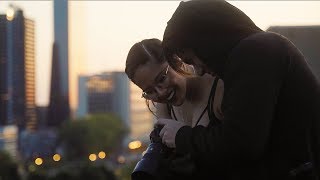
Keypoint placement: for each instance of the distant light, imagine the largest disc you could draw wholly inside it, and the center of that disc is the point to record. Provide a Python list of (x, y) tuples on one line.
[(92, 157), (121, 159), (10, 132), (134, 145), (38, 161), (10, 14), (56, 157), (102, 155)]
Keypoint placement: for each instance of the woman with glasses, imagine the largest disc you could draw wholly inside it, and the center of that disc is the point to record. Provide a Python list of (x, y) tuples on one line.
[(179, 95)]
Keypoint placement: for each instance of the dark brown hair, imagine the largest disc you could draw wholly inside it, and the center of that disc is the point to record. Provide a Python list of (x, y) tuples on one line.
[(142, 53)]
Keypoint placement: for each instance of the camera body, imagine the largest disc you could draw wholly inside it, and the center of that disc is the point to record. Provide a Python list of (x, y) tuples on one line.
[(148, 166)]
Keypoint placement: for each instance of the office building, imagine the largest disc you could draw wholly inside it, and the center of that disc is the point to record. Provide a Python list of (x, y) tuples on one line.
[(8, 139), (17, 73), (114, 93)]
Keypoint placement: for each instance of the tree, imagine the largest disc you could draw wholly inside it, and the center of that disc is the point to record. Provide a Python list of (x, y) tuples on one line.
[(92, 134), (8, 168)]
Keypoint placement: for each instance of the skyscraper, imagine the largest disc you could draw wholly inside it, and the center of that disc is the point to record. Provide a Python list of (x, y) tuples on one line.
[(17, 70), (3, 71), (61, 41), (69, 37), (59, 109), (17, 78), (30, 74)]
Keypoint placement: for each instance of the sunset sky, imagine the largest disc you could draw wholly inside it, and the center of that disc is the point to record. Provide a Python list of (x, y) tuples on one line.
[(112, 27)]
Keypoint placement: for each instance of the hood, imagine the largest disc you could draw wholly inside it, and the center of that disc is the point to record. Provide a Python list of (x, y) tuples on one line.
[(210, 27)]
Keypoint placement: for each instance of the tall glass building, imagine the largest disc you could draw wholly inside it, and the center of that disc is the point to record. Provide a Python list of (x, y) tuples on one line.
[(17, 78), (61, 41), (3, 71), (59, 107), (17, 87)]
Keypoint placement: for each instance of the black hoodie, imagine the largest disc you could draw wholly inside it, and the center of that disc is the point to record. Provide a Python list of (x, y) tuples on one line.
[(271, 101), (191, 27)]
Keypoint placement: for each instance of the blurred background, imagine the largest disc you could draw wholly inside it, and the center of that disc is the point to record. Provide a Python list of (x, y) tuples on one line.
[(67, 109)]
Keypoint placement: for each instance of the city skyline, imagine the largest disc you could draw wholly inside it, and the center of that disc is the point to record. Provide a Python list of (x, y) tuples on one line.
[(113, 27)]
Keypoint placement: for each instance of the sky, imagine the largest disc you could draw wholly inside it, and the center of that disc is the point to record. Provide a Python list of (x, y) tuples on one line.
[(112, 27)]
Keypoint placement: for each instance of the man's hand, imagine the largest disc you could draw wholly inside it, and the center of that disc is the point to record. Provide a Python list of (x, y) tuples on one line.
[(169, 131)]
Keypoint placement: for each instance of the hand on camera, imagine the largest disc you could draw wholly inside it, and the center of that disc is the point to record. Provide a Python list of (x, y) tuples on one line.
[(169, 131)]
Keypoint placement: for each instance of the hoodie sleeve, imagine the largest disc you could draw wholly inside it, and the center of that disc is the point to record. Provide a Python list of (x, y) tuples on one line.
[(253, 77)]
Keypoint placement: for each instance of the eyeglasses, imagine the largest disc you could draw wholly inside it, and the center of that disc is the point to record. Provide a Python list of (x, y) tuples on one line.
[(148, 94)]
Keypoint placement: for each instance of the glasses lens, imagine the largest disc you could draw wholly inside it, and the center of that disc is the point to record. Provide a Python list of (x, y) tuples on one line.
[(158, 83)]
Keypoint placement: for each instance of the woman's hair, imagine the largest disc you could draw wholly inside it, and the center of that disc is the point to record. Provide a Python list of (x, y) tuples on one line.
[(211, 28), (150, 50), (143, 52)]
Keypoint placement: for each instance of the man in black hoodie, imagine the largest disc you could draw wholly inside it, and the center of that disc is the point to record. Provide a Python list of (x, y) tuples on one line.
[(271, 101)]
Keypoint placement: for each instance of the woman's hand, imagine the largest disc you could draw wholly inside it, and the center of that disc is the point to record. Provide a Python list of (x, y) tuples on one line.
[(169, 131)]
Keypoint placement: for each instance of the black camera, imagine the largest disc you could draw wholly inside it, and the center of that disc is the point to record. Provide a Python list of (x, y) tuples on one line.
[(148, 167)]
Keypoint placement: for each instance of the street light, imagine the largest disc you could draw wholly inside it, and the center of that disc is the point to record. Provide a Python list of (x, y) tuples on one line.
[(38, 161), (102, 155), (92, 157), (134, 145), (56, 157)]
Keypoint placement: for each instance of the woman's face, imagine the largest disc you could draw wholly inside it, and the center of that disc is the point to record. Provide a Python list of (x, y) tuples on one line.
[(189, 57), (160, 83)]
